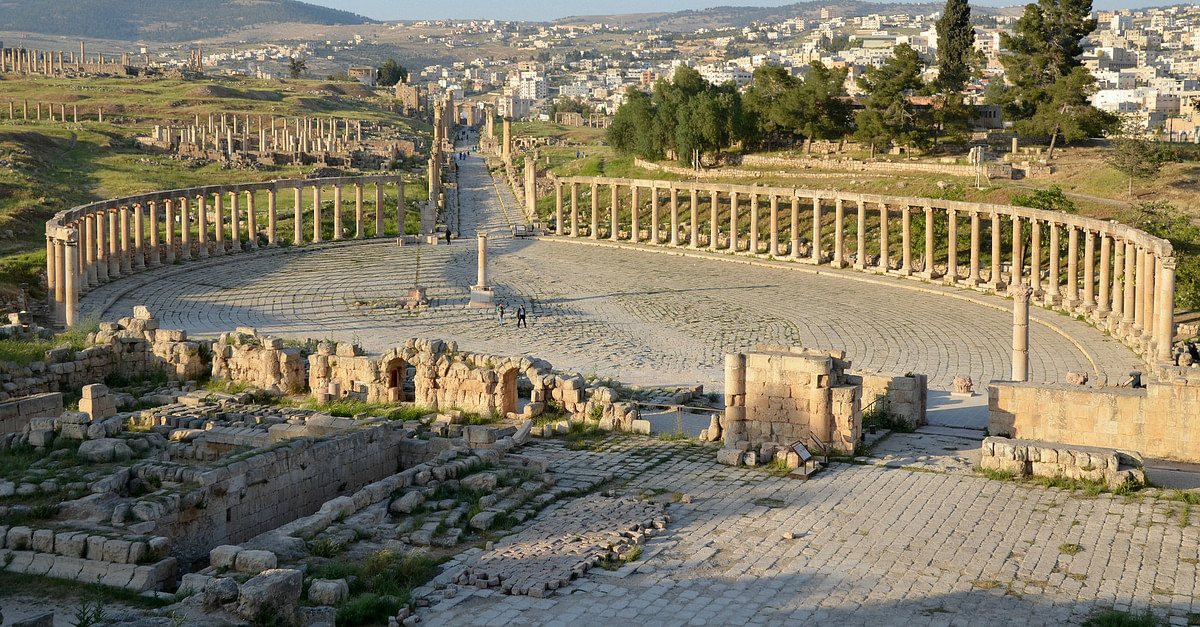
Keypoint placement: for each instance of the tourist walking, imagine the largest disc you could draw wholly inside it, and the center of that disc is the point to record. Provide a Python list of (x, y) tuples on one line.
[(521, 317), (447, 237), (500, 313)]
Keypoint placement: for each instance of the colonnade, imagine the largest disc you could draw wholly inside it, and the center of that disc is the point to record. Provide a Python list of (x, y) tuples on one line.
[(1122, 278), (92, 244)]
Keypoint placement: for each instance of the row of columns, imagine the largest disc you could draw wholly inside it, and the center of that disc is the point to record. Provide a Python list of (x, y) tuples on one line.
[(120, 239), (1125, 285)]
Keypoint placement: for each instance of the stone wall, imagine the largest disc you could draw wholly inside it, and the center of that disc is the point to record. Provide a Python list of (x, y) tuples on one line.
[(1158, 420), (264, 362), (904, 396), (15, 414), (783, 395), (991, 170), (1024, 458)]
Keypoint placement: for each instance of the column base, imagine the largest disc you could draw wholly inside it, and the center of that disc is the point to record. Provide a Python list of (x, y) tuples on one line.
[(928, 276), (904, 271), (1071, 303), (972, 281), (482, 296), (219, 250), (837, 264), (235, 246)]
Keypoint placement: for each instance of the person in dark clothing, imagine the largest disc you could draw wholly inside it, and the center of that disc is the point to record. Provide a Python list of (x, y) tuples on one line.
[(521, 317), (447, 237)]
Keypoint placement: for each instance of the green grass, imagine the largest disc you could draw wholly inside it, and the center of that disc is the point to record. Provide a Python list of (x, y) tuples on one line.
[(74, 591), (379, 585), (348, 408), (1070, 548), (27, 352), (1116, 618)]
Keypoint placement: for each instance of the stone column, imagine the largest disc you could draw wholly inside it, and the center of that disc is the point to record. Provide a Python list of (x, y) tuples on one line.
[(694, 224), (884, 262), (481, 293), (92, 250), (594, 225), (298, 218), (906, 240), (1166, 310), (1035, 256), (1118, 289), (271, 217), (1105, 301), (996, 282), (235, 224), (530, 188), (774, 247), (60, 282), (733, 222), (114, 243), (185, 231), (506, 146), (219, 223), (635, 205), (1139, 292), (839, 233), (202, 225), (574, 209), (973, 278), (1052, 293), (713, 227), (816, 232), (558, 209), (317, 213), (754, 222), (155, 252), (53, 289), (481, 276), (1089, 270), (951, 246), (860, 261), (674, 216), (614, 209), (360, 224), (794, 229), (379, 230), (653, 215), (1130, 293), (930, 244), (1153, 265), (1017, 273), (126, 248), (337, 211), (1020, 353), (1072, 266), (71, 276), (401, 207), (251, 220)]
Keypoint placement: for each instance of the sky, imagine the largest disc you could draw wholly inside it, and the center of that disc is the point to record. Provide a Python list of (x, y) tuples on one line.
[(546, 10)]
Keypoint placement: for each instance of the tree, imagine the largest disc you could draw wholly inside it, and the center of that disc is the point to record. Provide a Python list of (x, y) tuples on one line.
[(1050, 86), (889, 115), (296, 67), (629, 131), (956, 47), (391, 73), (825, 111), (1136, 158), (784, 107)]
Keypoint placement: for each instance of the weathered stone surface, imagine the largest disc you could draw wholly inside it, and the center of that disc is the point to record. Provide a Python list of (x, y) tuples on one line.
[(407, 502), (277, 589), (251, 561), (328, 591), (223, 556), (220, 591), (104, 450)]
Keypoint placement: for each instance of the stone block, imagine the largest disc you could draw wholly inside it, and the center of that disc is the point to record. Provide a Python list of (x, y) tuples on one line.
[(407, 503), (252, 561), (276, 589), (223, 556), (116, 551), (41, 438), (641, 427), (42, 541), (328, 591), (483, 520), (220, 591), (729, 456), (141, 312)]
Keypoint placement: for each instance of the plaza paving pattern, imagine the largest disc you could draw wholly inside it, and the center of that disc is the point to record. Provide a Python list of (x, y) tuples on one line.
[(638, 314), (871, 545)]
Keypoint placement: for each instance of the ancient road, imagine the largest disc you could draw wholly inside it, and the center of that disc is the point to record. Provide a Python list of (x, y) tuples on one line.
[(641, 315)]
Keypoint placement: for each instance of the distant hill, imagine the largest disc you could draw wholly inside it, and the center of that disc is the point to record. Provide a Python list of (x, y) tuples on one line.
[(719, 17), (159, 20)]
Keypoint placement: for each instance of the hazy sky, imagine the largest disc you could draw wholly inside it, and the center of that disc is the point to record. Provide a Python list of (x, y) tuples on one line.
[(545, 10)]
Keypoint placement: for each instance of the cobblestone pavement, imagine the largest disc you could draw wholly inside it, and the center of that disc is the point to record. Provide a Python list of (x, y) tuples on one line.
[(872, 546), (641, 315)]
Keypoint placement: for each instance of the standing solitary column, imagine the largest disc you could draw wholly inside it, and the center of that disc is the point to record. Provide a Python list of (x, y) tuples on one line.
[(733, 221), (1089, 270), (635, 205), (1020, 353), (154, 243), (126, 248), (185, 230), (594, 225), (71, 275), (906, 240), (614, 212), (930, 244), (202, 225), (754, 223), (973, 278), (558, 211), (337, 211), (713, 226), (271, 217), (1017, 271), (1072, 266), (481, 293), (774, 248), (694, 225), (298, 218), (674, 216), (653, 215), (379, 230), (996, 281), (360, 226), (317, 214), (219, 224), (1052, 294), (1166, 310), (574, 209), (816, 233), (883, 238), (251, 220), (1105, 300), (860, 260)]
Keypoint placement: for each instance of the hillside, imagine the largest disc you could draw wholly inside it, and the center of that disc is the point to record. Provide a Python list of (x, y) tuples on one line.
[(160, 20), (718, 17)]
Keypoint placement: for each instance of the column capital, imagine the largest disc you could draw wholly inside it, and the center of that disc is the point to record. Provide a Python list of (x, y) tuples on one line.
[(1020, 292)]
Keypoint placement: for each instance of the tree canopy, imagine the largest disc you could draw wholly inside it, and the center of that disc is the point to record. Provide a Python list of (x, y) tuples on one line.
[(956, 46), (890, 115), (391, 73)]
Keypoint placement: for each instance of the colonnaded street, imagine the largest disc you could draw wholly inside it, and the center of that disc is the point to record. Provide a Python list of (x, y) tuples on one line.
[(639, 314)]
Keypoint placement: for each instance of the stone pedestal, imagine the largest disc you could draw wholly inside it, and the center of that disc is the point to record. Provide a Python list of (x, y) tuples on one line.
[(481, 292)]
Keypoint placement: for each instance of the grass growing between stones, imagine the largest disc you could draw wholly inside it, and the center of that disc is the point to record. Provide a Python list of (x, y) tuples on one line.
[(26, 352), (46, 587), (1116, 618), (348, 408), (1070, 548), (583, 436), (379, 585)]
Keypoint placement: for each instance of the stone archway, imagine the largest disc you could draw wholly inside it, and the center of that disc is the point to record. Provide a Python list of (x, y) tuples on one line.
[(395, 377)]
